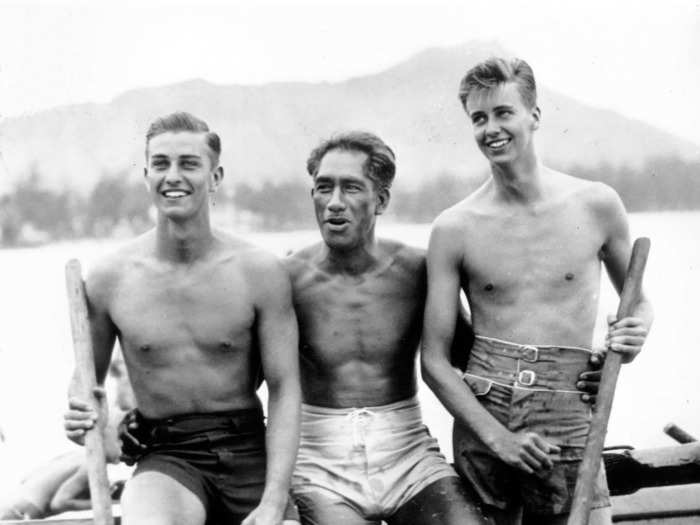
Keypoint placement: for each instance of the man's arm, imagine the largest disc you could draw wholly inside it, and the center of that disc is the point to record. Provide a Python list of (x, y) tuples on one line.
[(526, 451), (278, 336), (73, 494), (629, 334), (80, 417)]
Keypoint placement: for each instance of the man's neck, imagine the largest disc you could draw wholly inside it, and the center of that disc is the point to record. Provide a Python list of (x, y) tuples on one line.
[(519, 181), (183, 242), (352, 261)]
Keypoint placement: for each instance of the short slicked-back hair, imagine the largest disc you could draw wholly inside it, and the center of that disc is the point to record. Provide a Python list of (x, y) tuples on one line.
[(183, 121), (380, 167), (494, 71)]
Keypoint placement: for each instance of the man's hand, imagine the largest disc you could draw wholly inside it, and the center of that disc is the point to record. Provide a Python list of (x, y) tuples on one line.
[(265, 514), (589, 381), (526, 451), (80, 417), (626, 336), (127, 431)]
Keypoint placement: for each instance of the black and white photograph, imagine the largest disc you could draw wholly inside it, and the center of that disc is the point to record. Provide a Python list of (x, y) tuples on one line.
[(349, 263)]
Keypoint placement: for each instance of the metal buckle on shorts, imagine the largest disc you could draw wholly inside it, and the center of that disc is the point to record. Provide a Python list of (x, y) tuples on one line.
[(527, 377), (530, 353)]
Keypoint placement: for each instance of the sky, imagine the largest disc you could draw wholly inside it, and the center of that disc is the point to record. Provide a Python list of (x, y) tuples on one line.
[(639, 58)]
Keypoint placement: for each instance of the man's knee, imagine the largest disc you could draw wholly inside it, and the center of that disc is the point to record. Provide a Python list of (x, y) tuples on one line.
[(318, 509), (154, 498), (447, 501)]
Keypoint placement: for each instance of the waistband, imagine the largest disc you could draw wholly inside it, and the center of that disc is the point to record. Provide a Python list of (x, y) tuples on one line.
[(528, 352), (240, 420), (524, 366), (405, 404)]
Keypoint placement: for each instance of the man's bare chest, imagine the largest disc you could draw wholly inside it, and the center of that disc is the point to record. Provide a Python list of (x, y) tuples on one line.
[(172, 310), (516, 253)]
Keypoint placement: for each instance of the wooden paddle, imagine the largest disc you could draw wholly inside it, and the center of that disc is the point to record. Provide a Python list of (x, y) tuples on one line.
[(85, 367), (588, 470)]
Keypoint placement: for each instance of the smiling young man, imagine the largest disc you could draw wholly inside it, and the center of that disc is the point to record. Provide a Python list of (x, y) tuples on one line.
[(197, 312), (526, 248), (365, 455)]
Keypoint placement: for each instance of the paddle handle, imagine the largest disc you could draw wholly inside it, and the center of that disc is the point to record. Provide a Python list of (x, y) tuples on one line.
[(85, 368), (588, 470)]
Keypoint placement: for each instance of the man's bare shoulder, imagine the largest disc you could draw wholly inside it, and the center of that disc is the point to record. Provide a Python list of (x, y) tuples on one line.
[(301, 261), (598, 197), (254, 261), (401, 255), (106, 271), (459, 216)]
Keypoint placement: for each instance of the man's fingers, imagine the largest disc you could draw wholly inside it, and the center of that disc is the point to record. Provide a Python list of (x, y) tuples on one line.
[(78, 425), (531, 462), (78, 404), (628, 352), (628, 321), (79, 414), (544, 445), (597, 359), (99, 392), (588, 387)]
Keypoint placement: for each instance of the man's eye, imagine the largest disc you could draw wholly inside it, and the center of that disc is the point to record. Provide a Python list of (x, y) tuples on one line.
[(159, 165), (505, 113), (190, 165), (323, 188), (353, 188), (479, 119)]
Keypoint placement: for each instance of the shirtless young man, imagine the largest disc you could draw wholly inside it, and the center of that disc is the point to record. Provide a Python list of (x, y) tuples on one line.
[(526, 248), (365, 455), (197, 312)]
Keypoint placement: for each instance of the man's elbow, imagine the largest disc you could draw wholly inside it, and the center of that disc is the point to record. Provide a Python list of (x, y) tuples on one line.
[(430, 369), (285, 386)]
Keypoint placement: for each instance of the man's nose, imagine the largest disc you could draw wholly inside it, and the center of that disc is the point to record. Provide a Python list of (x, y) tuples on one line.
[(336, 200), (172, 176), (492, 127)]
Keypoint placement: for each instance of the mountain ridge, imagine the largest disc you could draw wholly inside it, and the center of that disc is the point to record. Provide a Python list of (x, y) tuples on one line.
[(268, 129)]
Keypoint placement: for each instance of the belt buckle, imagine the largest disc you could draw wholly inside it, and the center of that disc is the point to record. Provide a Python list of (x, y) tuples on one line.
[(530, 353), (527, 377)]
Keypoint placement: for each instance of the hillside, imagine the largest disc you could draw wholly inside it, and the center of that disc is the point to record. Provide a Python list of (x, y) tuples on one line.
[(267, 130)]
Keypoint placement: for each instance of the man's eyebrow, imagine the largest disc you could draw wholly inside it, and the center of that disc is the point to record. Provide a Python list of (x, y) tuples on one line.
[(504, 106)]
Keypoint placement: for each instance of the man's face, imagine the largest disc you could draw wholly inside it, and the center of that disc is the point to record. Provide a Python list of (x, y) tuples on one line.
[(346, 201), (503, 125), (179, 173)]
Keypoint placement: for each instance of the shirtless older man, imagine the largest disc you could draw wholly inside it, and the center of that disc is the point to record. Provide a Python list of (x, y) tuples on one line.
[(197, 312), (526, 248), (365, 455)]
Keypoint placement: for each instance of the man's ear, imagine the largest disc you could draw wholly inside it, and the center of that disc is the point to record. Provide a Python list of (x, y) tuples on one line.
[(383, 198), (216, 177), (536, 116)]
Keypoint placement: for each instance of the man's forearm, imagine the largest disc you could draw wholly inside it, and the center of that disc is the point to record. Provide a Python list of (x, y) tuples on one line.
[(284, 402), (460, 401)]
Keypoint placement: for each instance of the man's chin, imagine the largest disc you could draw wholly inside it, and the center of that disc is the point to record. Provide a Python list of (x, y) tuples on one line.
[(336, 241)]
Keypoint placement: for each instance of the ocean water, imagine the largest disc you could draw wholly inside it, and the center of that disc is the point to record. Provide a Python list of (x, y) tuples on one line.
[(36, 357)]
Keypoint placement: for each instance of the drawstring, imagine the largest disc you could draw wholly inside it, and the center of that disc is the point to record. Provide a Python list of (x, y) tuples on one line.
[(358, 419)]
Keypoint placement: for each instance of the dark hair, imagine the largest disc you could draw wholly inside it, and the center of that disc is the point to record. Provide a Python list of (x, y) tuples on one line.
[(381, 161), (494, 71), (182, 121)]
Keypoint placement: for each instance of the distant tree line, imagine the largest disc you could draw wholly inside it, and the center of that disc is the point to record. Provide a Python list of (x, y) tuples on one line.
[(118, 205), (31, 213)]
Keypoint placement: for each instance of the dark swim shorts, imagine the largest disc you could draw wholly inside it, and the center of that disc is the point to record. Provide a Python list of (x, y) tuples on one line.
[(220, 457), (528, 388)]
